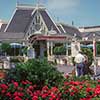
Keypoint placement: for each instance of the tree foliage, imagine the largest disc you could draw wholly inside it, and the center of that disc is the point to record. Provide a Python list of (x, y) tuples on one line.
[(6, 48)]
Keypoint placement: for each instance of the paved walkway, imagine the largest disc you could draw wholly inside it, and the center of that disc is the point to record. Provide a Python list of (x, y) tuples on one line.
[(65, 69)]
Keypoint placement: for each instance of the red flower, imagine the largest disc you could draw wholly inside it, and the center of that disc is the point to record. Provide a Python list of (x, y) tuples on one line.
[(37, 93), (29, 91), (80, 87), (30, 87), (20, 88), (45, 88), (85, 99), (28, 82), (35, 98), (53, 96), (75, 83), (72, 94), (88, 89), (4, 86), (44, 95), (17, 98), (98, 81), (54, 89), (18, 94), (97, 91), (66, 76), (8, 94), (3, 91), (66, 83), (24, 82), (15, 84), (73, 89)]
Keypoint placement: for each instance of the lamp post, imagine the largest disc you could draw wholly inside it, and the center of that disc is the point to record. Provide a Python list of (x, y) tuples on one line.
[(94, 53)]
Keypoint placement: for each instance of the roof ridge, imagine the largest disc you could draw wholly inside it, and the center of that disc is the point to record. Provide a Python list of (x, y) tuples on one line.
[(69, 25), (25, 6), (86, 27), (29, 6)]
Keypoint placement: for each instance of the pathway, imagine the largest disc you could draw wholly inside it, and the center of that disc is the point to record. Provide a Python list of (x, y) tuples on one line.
[(65, 69), (68, 69)]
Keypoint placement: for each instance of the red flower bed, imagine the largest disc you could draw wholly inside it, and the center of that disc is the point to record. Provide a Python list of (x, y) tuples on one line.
[(69, 90)]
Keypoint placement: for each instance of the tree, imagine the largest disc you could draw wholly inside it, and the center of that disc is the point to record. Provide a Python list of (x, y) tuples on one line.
[(6, 48)]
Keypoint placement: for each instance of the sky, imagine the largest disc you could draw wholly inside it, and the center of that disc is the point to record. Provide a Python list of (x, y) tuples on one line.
[(81, 12)]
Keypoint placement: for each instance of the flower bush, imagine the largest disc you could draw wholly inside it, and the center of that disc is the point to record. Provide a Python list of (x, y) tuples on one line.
[(69, 90), (37, 71), (38, 80)]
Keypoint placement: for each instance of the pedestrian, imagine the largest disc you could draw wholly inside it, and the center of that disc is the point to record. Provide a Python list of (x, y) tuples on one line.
[(86, 67), (79, 63)]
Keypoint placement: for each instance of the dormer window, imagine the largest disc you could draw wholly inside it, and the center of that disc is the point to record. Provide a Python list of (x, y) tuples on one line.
[(37, 19)]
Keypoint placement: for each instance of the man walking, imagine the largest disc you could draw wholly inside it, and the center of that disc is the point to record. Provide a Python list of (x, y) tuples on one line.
[(79, 60)]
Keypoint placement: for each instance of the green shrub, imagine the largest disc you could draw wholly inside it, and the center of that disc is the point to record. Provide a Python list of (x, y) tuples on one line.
[(59, 50), (98, 48), (89, 54), (37, 71)]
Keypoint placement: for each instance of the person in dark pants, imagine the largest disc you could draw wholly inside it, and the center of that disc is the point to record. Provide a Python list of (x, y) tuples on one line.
[(80, 69), (79, 60)]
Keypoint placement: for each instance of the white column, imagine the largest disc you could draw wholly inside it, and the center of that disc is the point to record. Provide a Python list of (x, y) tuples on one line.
[(41, 50), (48, 49), (31, 52), (67, 49), (51, 48)]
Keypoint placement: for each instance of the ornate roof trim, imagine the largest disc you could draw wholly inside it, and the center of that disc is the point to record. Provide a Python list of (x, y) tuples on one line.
[(53, 22)]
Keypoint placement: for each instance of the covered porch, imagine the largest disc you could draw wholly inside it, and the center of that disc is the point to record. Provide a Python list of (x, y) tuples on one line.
[(44, 46)]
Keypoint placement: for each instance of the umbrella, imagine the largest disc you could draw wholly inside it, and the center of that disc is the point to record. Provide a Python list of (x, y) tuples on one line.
[(16, 45), (90, 46), (84, 46)]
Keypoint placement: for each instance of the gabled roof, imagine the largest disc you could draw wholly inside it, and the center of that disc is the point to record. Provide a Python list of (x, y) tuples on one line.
[(23, 17), (3, 26), (71, 30), (89, 27), (90, 35), (19, 21), (48, 21)]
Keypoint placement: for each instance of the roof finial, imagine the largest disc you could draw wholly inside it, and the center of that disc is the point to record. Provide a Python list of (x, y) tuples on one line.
[(58, 19), (38, 2), (17, 2), (72, 23)]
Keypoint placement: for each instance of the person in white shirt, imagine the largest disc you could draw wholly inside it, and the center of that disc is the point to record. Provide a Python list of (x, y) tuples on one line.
[(79, 60)]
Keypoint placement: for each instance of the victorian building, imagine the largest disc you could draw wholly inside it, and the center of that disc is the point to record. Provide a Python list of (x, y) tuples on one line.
[(34, 27)]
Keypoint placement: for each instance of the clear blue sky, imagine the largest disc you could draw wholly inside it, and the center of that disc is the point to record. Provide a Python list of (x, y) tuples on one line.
[(82, 12)]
